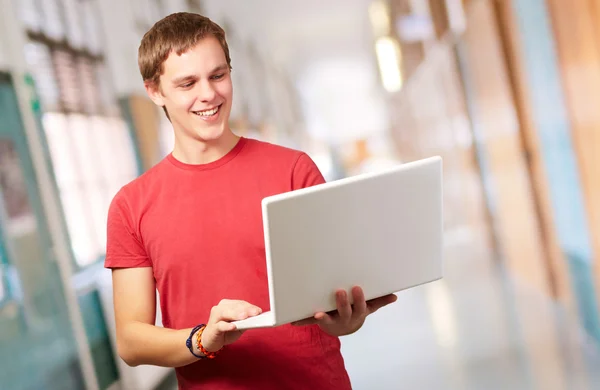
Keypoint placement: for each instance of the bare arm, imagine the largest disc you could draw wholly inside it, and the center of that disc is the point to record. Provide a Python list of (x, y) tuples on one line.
[(139, 341)]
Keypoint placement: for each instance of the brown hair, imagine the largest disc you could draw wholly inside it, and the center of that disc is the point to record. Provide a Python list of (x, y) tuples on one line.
[(177, 32)]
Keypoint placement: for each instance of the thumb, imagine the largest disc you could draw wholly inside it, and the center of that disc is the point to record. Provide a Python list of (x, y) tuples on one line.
[(324, 319), (224, 327)]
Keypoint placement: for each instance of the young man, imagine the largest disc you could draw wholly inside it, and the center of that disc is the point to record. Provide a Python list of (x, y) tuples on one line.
[(191, 228)]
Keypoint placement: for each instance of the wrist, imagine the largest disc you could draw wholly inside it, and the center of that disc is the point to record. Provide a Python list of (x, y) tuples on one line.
[(203, 340), (195, 348), (209, 351), (191, 343)]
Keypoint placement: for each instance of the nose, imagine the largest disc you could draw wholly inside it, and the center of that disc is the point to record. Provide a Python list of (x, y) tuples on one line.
[(207, 92)]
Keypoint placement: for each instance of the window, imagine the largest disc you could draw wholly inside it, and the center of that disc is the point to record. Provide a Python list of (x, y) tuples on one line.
[(90, 145), (15, 209)]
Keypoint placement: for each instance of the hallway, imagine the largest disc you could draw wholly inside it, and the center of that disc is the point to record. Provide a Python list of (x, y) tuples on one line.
[(506, 92), (476, 329)]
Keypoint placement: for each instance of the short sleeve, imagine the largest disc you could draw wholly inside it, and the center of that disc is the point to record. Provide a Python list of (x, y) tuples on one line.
[(306, 173), (124, 248)]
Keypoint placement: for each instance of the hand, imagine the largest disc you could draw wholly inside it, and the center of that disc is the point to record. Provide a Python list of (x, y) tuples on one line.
[(219, 329), (348, 318)]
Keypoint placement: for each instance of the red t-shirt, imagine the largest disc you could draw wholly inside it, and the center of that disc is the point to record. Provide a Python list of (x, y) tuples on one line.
[(200, 229)]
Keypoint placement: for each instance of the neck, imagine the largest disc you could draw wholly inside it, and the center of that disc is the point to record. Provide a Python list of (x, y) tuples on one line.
[(203, 152)]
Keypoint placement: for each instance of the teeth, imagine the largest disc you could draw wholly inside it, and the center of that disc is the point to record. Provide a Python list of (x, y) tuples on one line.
[(207, 113)]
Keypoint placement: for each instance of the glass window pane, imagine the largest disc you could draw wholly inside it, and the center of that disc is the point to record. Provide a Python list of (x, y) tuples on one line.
[(56, 127), (105, 146), (91, 180), (73, 19), (106, 93), (39, 62), (84, 149), (99, 203), (124, 152), (89, 87), (68, 82), (53, 25), (99, 128), (12, 182), (30, 15), (89, 15), (76, 206), (111, 138)]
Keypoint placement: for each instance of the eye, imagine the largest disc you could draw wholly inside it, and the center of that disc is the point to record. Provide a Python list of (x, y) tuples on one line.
[(187, 85), (218, 77)]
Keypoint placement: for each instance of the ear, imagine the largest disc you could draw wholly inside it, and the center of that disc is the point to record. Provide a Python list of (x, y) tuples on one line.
[(154, 93)]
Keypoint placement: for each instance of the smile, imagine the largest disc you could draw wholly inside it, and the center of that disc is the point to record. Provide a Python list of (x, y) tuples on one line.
[(208, 113)]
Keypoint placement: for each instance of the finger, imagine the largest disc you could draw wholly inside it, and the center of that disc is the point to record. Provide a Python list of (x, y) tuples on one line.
[(254, 310), (386, 298), (306, 321), (249, 306), (360, 305), (343, 305), (249, 309), (324, 319), (377, 303)]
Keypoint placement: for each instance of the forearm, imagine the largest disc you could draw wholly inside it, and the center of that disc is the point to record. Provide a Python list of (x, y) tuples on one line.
[(139, 343)]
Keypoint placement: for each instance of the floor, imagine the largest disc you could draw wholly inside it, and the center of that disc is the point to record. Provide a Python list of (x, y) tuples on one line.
[(477, 329)]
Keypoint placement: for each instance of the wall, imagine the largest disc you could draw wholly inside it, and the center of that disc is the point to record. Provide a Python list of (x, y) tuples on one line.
[(441, 127), (497, 131), (540, 108), (577, 37), (517, 116)]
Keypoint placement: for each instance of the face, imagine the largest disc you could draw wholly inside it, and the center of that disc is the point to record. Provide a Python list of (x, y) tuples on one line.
[(196, 89)]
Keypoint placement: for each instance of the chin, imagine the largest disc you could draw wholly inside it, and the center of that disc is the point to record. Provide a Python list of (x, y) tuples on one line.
[(210, 134)]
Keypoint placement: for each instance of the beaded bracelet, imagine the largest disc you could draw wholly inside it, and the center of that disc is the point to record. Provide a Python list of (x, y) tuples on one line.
[(188, 342), (210, 355)]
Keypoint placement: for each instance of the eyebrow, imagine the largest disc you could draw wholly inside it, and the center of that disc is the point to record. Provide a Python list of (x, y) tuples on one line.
[(182, 79), (220, 67)]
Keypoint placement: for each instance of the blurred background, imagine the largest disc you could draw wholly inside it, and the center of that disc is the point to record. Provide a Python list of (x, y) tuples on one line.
[(506, 91)]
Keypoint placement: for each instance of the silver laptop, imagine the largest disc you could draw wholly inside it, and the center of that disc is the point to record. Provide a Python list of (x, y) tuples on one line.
[(381, 231)]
